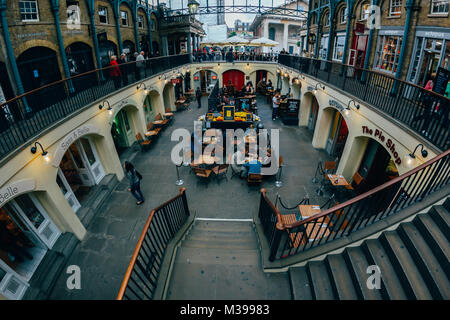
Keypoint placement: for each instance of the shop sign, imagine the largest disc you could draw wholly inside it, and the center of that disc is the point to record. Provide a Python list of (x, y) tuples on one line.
[(71, 138), (175, 81), (15, 189), (388, 143), (337, 105), (204, 68), (310, 88), (32, 35)]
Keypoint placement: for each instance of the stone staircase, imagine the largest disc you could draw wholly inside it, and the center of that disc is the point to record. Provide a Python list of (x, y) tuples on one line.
[(221, 260), (413, 260)]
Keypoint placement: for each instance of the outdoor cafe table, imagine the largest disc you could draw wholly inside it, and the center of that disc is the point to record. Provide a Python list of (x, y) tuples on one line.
[(157, 122), (151, 133), (205, 160), (337, 180), (314, 230), (168, 114)]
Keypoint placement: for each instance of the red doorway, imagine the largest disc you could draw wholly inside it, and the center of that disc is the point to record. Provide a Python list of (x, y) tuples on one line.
[(236, 77)]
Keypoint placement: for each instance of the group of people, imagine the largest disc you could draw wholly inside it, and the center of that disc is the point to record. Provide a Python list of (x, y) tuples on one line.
[(230, 55), (121, 68)]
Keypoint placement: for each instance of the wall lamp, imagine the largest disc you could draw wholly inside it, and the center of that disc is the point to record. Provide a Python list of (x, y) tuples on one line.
[(321, 86), (165, 80), (44, 153), (142, 84), (410, 158), (347, 110), (102, 105)]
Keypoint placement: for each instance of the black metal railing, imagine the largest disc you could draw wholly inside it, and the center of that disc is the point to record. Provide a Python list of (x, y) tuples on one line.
[(27, 115), (342, 220), (221, 56), (162, 224), (423, 111)]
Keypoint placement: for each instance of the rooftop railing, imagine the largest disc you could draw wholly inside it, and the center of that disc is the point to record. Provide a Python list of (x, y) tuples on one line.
[(425, 112), (28, 115), (342, 220)]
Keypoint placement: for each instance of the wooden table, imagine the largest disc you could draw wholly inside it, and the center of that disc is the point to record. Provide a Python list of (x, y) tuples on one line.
[(314, 231), (205, 160), (151, 133), (337, 180), (168, 114), (209, 140), (158, 122)]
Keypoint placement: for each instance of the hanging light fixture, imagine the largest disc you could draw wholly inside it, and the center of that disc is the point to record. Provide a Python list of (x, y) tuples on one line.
[(142, 84), (321, 87), (44, 153), (193, 6), (347, 111)]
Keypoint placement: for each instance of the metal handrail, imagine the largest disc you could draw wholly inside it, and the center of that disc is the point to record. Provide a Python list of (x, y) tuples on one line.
[(139, 245)]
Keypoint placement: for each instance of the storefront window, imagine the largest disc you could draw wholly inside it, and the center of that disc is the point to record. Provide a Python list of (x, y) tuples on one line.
[(61, 185), (446, 60), (29, 209), (439, 6), (395, 9), (338, 51), (323, 47), (103, 15), (388, 52), (88, 151), (416, 61), (343, 15), (76, 156)]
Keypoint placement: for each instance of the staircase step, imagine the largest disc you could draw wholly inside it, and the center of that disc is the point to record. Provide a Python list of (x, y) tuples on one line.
[(233, 226), (405, 267), (432, 272), (441, 217), (435, 239), (357, 265), (234, 244), (217, 256), (340, 277), (196, 234), (391, 285), (300, 287), (319, 280)]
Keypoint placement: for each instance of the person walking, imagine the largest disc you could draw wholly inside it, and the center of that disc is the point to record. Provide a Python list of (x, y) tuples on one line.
[(275, 105), (123, 68), (115, 72), (134, 178), (140, 65), (198, 95)]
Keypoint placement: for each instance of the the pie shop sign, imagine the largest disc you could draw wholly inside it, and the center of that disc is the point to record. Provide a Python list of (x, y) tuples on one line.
[(71, 138), (388, 143)]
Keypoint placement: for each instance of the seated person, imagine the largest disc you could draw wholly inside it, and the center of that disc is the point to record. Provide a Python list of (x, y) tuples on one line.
[(244, 105), (251, 166), (261, 85)]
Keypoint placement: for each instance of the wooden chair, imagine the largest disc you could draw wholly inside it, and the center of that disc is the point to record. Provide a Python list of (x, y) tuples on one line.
[(221, 171), (164, 121), (169, 117), (202, 173), (254, 178), (144, 144), (329, 166), (357, 179), (151, 126)]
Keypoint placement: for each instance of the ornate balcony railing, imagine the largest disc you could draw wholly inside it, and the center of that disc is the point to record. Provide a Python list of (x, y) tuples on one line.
[(423, 111), (28, 115)]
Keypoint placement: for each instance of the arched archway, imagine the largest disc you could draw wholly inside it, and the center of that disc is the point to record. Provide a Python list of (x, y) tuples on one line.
[(80, 60), (129, 48), (205, 79), (124, 127), (234, 77), (38, 66), (107, 49), (152, 103)]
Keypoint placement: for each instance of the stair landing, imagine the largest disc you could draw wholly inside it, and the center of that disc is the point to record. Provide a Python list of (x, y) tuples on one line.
[(221, 260)]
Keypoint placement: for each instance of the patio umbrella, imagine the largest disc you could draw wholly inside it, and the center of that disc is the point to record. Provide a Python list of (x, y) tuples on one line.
[(264, 42), (236, 41)]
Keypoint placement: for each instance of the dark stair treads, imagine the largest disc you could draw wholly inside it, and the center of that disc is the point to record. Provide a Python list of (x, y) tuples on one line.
[(391, 286), (441, 217), (357, 265), (320, 281), (432, 272), (300, 287), (340, 278), (435, 238), (414, 285)]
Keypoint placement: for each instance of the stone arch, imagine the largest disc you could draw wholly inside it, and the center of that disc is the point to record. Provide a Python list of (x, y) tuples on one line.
[(24, 46), (156, 102)]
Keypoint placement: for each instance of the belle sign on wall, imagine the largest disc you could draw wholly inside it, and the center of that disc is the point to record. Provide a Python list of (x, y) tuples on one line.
[(390, 145)]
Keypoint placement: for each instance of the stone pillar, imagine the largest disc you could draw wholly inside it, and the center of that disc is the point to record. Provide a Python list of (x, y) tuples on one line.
[(198, 42), (189, 43), (285, 37), (165, 45)]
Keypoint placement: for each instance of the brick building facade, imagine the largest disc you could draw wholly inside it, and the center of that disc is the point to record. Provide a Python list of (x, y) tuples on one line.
[(410, 39)]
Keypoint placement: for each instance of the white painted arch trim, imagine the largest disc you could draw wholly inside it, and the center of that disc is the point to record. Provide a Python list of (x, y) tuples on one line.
[(10, 191), (71, 138)]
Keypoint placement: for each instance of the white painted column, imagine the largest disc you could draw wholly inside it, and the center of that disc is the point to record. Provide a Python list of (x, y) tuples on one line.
[(285, 37)]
